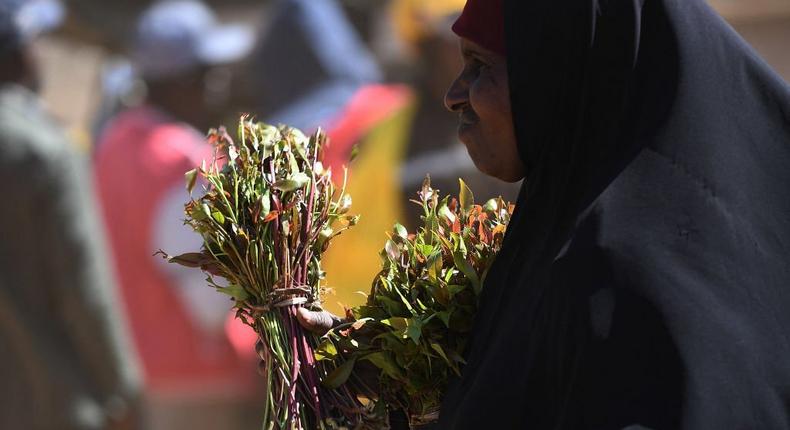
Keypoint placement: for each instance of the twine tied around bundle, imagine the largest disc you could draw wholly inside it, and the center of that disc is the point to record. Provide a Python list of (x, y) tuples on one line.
[(285, 297)]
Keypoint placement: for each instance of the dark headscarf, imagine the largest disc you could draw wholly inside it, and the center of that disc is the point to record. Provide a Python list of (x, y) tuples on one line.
[(645, 278)]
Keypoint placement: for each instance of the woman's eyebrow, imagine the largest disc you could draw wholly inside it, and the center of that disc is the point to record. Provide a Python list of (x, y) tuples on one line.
[(469, 52)]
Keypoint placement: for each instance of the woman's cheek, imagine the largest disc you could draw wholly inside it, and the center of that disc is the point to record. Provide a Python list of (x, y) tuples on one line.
[(480, 98), (490, 111)]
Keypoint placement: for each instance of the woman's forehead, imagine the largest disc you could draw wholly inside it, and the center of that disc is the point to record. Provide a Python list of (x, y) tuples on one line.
[(470, 48)]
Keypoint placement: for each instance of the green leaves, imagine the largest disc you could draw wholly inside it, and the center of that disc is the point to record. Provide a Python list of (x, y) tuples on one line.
[(401, 231), (339, 375), (218, 217), (393, 251), (292, 183), (434, 265), (265, 203), (386, 362), (414, 330), (345, 204), (325, 351), (235, 291), (268, 211), (398, 323), (444, 316), (466, 268), (447, 214), (420, 309)]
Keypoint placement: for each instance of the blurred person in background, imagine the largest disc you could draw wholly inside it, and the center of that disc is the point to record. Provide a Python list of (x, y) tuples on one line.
[(313, 70), (178, 322), (310, 64), (66, 361)]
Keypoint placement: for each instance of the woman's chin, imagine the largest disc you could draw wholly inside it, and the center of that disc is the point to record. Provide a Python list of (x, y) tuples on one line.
[(497, 171), (504, 169), (487, 169), (512, 179)]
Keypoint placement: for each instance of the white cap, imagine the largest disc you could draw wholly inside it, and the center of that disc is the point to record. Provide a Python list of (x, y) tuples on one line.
[(22, 20), (175, 36)]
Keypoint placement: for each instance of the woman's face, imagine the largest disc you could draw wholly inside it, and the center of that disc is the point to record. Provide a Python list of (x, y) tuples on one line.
[(481, 98)]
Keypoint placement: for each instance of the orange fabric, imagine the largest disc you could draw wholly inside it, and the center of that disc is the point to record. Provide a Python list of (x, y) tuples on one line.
[(140, 157)]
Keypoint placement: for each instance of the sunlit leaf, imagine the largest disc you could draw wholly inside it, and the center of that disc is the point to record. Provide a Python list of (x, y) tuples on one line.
[(294, 182), (492, 205), (447, 214), (434, 265), (266, 204), (398, 323), (326, 350), (465, 196), (345, 204), (235, 291), (191, 179), (392, 250)]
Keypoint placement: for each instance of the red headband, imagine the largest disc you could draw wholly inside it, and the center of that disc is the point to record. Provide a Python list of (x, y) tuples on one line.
[(483, 22)]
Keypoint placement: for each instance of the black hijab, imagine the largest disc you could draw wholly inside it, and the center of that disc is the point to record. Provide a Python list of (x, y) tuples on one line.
[(645, 278)]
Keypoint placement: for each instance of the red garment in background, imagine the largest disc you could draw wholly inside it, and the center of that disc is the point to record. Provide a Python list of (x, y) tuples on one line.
[(369, 106), (142, 156)]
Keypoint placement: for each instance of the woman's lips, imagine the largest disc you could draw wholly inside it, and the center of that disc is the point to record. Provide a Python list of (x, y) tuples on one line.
[(468, 117), (467, 120)]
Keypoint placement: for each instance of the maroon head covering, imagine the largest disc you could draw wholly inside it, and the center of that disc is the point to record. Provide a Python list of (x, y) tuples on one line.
[(483, 22)]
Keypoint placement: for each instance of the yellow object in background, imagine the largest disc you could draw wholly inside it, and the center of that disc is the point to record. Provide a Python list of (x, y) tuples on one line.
[(352, 260), (414, 19)]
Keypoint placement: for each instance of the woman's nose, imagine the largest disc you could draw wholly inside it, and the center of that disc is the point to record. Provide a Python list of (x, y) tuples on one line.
[(457, 95)]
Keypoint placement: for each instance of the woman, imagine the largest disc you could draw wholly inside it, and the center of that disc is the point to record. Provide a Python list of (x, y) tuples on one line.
[(644, 281)]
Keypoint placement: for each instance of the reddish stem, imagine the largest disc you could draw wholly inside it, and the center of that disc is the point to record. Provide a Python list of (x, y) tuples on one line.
[(292, 400), (310, 374)]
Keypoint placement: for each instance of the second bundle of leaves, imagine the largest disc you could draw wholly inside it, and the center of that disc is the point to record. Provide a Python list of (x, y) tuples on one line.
[(415, 324)]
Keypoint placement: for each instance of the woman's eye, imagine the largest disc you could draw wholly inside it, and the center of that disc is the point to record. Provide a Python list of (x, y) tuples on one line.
[(475, 66)]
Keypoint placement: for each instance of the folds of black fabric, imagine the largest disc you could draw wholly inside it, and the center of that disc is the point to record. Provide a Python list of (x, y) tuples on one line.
[(645, 278)]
